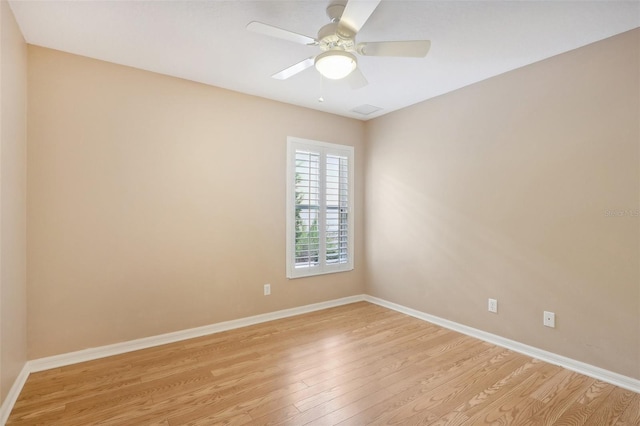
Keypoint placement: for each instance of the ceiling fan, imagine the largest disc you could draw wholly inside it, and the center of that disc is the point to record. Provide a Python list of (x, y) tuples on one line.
[(337, 40)]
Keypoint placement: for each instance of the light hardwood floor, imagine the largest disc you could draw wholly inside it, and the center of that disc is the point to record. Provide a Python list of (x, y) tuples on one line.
[(357, 364)]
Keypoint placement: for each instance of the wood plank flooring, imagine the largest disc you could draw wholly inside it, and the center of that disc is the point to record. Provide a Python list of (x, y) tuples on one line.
[(359, 364)]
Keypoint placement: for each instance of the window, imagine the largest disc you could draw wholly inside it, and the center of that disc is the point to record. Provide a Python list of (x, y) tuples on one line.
[(319, 208)]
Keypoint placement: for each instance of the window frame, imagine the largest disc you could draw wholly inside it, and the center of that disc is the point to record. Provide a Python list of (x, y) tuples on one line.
[(324, 149)]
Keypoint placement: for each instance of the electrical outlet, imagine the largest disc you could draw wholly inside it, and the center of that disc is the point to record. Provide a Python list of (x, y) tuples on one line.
[(549, 319), (267, 289), (493, 305)]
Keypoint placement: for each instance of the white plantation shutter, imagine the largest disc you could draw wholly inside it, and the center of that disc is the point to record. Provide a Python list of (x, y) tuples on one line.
[(337, 209), (307, 208), (319, 208)]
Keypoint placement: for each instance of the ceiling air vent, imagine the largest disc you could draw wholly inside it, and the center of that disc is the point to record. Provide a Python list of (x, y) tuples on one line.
[(366, 109)]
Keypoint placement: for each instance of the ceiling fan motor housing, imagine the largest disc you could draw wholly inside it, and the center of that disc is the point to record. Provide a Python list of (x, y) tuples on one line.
[(331, 37)]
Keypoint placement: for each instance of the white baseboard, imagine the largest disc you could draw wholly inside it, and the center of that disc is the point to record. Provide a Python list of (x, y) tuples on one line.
[(12, 396), (162, 339), (568, 363)]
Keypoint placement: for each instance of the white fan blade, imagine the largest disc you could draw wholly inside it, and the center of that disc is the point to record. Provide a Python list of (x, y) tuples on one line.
[(270, 30), (356, 79), (294, 69), (355, 14), (409, 48)]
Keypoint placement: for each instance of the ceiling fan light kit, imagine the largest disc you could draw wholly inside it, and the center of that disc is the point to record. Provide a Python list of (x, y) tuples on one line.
[(337, 40), (335, 64)]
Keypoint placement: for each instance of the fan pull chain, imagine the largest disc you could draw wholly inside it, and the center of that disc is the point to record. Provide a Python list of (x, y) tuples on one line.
[(321, 98)]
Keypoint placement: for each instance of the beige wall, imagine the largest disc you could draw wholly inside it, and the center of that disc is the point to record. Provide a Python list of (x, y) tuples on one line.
[(13, 159), (158, 204), (501, 190)]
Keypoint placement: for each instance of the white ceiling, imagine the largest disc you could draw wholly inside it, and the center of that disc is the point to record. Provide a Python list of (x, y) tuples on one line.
[(206, 41)]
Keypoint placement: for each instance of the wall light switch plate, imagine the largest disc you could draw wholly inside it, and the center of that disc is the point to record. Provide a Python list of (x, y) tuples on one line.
[(267, 289)]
